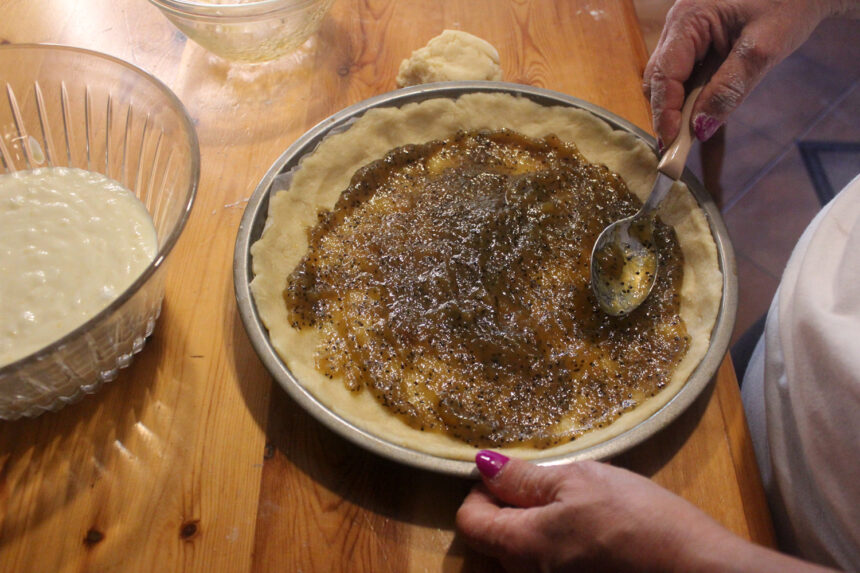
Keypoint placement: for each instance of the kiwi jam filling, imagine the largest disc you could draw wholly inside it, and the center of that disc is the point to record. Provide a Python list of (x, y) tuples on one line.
[(451, 280)]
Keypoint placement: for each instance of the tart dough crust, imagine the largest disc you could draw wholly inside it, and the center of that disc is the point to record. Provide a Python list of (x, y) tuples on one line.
[(325, 173)]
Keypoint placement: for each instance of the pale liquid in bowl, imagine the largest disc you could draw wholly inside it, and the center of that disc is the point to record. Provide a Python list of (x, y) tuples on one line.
[(71, 241)]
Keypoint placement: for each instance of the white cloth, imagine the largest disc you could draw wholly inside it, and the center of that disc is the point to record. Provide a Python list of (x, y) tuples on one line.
[(802, 391)]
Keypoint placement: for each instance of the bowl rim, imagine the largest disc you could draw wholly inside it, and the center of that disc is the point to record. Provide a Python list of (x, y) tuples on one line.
[(257, 206), (233, 9), (170, 240)]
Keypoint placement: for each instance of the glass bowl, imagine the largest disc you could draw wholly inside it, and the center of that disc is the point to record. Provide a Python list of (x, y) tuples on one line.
[(247, 30), (67, 107)]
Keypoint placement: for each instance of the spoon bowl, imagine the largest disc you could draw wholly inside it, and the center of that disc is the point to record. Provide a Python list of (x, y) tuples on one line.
[(624, 265), (624, 260)]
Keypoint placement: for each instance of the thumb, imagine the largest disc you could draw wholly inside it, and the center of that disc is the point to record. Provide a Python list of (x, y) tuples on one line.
[(516, 482)]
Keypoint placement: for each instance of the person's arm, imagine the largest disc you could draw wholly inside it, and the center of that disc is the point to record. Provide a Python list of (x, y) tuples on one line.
[(750, 36), (590, 516)]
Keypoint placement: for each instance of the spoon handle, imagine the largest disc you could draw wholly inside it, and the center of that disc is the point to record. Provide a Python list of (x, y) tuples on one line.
[(675, 157)]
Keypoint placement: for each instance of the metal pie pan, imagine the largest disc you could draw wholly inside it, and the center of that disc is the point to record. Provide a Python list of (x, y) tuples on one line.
[(254, 220)]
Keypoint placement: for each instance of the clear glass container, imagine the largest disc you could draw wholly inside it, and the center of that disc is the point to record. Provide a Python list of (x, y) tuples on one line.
[(249, 30), (67, 107)]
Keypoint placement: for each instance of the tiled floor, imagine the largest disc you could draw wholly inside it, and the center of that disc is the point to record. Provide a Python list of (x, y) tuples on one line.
[(769, 196)]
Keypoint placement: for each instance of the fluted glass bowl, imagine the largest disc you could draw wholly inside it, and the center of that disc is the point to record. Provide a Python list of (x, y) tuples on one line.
[(67, 107), (246, 30)]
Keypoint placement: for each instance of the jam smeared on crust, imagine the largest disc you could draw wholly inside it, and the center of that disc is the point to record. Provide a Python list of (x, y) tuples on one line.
[(450, 280)]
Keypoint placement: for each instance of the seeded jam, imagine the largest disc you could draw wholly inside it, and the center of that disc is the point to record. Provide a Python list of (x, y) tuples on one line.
[(451, 281)]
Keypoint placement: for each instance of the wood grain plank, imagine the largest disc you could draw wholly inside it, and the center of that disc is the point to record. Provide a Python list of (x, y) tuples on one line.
[(686, 456), (324, 502), (193, 460), (136, 476), (754, 502)]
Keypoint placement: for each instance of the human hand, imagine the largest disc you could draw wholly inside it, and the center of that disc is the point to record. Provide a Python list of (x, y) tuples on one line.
[(584, 515), (590, 516), (749, 37)]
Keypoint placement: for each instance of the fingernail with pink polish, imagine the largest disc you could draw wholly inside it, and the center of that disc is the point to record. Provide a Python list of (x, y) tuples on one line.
[(705, 126), (490, 463)]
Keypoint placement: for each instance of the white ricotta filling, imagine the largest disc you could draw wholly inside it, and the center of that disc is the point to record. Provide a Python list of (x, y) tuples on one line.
[(71, 241)]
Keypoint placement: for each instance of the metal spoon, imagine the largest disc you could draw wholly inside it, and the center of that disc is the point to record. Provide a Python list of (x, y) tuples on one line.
[(624, 259)]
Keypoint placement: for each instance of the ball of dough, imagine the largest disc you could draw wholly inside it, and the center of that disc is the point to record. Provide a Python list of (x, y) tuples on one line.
[(452, 55)]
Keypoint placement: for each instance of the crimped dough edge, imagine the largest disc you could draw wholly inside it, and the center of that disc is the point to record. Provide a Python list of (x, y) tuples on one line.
[(326, 172)]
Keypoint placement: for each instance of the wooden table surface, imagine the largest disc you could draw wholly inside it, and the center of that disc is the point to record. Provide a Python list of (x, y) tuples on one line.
[(194, 459)]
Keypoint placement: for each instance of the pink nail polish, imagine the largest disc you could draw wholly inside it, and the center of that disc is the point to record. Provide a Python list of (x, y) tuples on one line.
[(490, 463), (705, 126)]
